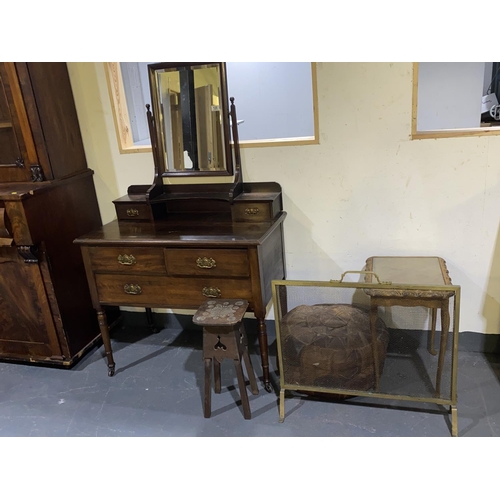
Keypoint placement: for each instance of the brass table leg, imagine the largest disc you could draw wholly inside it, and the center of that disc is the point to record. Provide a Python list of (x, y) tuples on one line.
[(454, 421), (445, 325), (373, 329), (282, 406), (103, 326), (430, 347)]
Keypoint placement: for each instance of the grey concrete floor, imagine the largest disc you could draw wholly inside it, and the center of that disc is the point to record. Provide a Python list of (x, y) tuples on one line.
[(158, 385)]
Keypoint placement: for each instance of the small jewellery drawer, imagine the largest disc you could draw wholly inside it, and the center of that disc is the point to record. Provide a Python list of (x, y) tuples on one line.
[(132, 289), (127, 260), (252, 211), (206, 262), (133, 211), (191, 292)]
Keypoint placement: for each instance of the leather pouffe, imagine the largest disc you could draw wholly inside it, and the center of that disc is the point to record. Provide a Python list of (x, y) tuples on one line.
[(330, 346)]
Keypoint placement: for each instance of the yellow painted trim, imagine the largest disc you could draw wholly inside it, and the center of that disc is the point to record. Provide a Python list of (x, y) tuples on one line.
[(136, 149), (414, 103), (292, 141), (463, 132), (315, 102), (122, 121), (441, 134), (119, 107)]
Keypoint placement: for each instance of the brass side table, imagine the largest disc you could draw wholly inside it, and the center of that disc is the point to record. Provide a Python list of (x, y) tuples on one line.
[(425, 271)]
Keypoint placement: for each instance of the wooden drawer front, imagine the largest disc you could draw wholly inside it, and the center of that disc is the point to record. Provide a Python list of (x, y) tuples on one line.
[(191, 292), (132, 289), (127, 260), (252, 211), (206, 262), (133, 211)]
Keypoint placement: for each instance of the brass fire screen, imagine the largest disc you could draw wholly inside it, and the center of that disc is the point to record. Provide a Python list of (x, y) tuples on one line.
[(368, 339)]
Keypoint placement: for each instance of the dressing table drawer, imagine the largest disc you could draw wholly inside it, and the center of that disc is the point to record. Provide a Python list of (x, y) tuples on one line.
[(132, 289), (127, 260), (191, 292), (207, 262)]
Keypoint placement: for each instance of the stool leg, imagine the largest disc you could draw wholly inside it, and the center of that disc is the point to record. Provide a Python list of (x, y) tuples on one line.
[(217, 376), (251, 373), (243, 389), (207, 403), (248, 362)]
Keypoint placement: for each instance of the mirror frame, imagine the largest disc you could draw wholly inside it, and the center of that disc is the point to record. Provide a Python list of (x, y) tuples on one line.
[(156, 132)]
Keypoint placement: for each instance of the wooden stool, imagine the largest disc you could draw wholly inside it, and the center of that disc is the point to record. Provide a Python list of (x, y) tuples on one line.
[(224, 338)]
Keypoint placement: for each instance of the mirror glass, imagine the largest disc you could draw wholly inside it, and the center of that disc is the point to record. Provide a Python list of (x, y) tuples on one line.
[(190, 118)]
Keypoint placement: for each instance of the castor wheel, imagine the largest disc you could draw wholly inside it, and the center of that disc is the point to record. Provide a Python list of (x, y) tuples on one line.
[(111, 371), (268, 387)]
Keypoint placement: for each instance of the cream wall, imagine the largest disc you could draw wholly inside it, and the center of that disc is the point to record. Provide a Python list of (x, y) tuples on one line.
[(366, 189)]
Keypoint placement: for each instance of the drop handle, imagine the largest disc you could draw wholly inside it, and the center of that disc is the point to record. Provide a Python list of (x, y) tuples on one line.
[(205, 262), (127, 260), (212, 292), (132, 289)]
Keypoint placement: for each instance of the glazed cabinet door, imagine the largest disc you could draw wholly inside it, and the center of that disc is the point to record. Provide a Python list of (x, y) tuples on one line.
[(17, 148), (27, 327)]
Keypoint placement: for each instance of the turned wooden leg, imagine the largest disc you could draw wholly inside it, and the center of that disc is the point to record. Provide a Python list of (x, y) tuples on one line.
[(243, 390), (217, 376), (207, 402), (151, 322), (103, 326), (264, 353), (445, 326)]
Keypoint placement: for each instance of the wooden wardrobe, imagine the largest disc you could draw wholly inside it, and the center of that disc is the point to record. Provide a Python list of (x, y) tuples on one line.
[(47, 199)]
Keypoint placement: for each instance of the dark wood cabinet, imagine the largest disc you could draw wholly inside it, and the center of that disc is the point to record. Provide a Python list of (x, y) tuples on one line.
[(47, 199)]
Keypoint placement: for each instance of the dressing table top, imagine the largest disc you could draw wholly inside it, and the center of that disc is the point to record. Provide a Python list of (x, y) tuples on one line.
[(184, 230)]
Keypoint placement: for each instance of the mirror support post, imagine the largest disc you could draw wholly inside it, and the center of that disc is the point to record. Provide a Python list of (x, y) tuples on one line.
[(238, 177)]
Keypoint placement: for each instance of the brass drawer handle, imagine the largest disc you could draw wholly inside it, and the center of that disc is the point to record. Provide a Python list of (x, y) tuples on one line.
[(127, 260), (132, 289), (251, 211), (132, 212), (205, 262), (211, 292)]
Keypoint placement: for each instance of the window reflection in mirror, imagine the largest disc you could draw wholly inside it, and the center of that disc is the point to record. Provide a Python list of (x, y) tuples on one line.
[(189, 116)]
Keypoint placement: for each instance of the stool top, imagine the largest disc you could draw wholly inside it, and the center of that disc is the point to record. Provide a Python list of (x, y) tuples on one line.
[(220, 312)]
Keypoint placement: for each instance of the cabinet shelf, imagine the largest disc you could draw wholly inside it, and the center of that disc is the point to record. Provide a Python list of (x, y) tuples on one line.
[(5, 124)]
